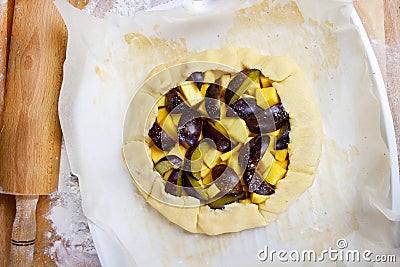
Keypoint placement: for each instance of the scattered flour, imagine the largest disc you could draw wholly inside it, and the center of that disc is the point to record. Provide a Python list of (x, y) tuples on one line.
[(128, 8), (121, 7), (73, 243)]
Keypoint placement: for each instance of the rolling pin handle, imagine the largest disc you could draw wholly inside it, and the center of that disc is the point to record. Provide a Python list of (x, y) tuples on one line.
[(24, 231)]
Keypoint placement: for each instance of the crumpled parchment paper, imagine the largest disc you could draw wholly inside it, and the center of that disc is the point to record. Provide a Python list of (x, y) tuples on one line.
[(108, 59)]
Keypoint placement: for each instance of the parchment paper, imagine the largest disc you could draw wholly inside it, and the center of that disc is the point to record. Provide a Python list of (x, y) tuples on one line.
[(108, 59)]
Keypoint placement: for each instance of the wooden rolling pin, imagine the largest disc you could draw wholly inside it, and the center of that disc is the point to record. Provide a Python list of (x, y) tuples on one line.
[(30, 140), (7, 202)]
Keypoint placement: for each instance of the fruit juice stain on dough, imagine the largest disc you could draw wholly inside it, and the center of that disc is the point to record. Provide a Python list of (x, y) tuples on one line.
[(103, 75), (315, 45), (161, 48), (157, 48)]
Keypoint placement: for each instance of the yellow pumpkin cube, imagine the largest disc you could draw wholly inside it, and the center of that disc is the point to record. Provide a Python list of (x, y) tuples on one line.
[(225, 80), (156, 153), (283, 164), (280, 155), (204, 171), (212, 158), (265, 163), (236, 128), (267, 97), (275, 173), (254, 85), (191, 92), (213, 190), (208, 178), (257, 198), (169, 127), (161, 115), (265, 82), (224, 108), (227, 122), (209, 76), (233, 162)]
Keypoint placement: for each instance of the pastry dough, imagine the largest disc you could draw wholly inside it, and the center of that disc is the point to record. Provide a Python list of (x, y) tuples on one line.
[(304, 147)]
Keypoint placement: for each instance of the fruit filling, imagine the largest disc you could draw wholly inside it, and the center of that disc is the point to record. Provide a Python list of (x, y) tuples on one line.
[(221, 137)]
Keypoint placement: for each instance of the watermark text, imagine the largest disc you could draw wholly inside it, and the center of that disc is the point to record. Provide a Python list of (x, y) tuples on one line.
[(340, 253)]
